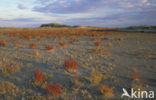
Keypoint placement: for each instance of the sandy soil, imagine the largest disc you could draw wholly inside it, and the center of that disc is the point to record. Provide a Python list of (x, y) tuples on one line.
[(121, 61)]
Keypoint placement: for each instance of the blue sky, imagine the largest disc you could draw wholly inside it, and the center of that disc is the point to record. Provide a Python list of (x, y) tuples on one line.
[(105, 13)]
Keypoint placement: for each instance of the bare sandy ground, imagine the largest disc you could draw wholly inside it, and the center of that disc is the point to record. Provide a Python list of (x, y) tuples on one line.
[(111, 64)]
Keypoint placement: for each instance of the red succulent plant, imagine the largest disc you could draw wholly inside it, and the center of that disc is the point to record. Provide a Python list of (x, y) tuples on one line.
[(70, 64), (54, 89), (38, 76)]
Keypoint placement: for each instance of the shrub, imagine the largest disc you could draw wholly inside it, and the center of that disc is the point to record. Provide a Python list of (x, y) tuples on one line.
[(7, 68), (93, 49), (54, 89), (15, 46), (49, 47), (63, 44), (32, 45), (106, 91), (75, 79), (148, 54), (137, 54), (94, 38), (6, 86), (38, 76), (27, 36), (87, 43), (134, 75), (98, 43), (70, 65), (95, 77), (35, 52), (3, 43), (118, 39), (110, 44), (70, 42)]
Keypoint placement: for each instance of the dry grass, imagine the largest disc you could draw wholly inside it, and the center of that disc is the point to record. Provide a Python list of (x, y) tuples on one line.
[(106, 91), (6, 86), (95, 77), (95, 63)]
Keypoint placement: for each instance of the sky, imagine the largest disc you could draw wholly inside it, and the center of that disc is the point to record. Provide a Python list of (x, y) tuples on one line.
[(102, 13)]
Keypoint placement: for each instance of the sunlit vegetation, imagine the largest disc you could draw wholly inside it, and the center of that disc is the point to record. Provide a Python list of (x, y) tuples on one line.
[(73, 63), (32, 45), (106, 91), (54, 89), (70, 65), (48, 47), (134, 75), (98, 43), (62, 44), (10, 68), (95, 77), (38, 76), (3, 43)]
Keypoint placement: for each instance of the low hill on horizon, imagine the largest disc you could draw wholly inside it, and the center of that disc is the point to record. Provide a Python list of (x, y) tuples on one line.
[(57, 25)]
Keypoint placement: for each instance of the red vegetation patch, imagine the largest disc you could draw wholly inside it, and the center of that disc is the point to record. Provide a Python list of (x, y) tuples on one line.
[(54, 89), (32, 45), (71, 65), (87, 43), (98, 43), (148, 54), (75, 79), (108, 92), (71, 42), (137, 54), (134, 74), (15, 46), (49, 47), (94, 38), (38, 76), (27, 36), (9, 68), (63, 44), (3, 43)]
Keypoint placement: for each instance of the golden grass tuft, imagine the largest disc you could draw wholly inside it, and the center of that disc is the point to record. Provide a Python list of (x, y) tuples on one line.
[(106, 91), (95, 77)]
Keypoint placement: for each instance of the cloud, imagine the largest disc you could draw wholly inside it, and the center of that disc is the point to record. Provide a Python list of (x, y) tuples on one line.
[(86, 12), (67, 6), (117, 20), (82, 6), (21, 6)]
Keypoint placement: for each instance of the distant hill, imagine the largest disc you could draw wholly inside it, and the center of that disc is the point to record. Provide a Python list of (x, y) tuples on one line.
[(143, 28), (57, 25)]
